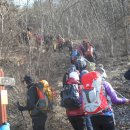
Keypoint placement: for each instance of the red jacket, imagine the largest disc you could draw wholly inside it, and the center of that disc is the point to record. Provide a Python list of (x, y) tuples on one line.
[(77, 111)]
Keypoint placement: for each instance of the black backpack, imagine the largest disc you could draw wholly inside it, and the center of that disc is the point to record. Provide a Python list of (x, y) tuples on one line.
[(72, 68), (127, 74), (70, 96)]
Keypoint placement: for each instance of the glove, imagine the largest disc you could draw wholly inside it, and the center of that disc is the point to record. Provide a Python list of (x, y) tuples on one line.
[(20, 108)]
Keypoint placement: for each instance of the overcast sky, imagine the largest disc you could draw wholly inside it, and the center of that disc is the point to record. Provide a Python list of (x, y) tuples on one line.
[(22, 2)]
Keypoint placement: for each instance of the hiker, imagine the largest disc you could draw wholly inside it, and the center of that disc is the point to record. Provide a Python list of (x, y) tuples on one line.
[(38, 118), (87, 50), (69, 45), (87, 119), (60, 41), (98, 100), (48, 41), (71, 99)]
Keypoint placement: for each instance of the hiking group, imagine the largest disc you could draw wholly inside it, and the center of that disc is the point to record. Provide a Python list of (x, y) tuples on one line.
[(29, 38), (86, 94)]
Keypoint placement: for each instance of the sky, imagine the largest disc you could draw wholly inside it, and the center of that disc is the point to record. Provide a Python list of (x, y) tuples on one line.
[(22, 2)]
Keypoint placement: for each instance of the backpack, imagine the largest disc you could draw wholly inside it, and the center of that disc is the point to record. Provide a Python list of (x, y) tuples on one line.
[(72, 68), (49, 92), (70, 96), (127, 74), (94, 97), (42, 103), (45, 95)]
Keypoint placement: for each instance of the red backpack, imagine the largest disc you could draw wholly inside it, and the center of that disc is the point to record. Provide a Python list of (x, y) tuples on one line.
[(94, 98)]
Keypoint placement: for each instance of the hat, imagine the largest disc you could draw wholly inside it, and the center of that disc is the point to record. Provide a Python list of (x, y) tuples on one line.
[(27, 79), (74, 75), (85, 39)]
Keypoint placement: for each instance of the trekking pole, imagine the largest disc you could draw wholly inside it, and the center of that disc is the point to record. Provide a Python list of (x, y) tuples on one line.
[(21, 111), (119, 94), (22, 116)]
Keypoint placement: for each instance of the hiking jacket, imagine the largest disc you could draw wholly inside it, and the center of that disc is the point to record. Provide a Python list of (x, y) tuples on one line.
[(114, 99), (77, 111), (32, 99), (112, 94)]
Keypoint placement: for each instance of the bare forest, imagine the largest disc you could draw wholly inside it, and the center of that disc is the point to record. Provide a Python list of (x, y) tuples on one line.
[(106, 23)]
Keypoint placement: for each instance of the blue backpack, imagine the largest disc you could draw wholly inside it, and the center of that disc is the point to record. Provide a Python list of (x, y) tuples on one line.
[(70, 96)]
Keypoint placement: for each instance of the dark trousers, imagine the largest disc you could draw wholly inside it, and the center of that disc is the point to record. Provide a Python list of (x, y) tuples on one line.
[(88, 122), (39, 121), (77, 122), (101, 122)]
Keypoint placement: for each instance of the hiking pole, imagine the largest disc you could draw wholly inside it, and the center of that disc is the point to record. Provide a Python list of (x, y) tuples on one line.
[(21, 111), (119, 94), (22, 115)]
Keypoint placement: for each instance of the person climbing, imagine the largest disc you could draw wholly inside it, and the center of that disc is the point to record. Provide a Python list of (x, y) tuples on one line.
[(86, 117), (87, 50), (98, 103), (38, 118), (60, 42), (71, 99)]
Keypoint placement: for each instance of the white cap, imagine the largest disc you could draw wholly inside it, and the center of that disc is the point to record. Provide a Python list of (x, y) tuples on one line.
[(74, 75)]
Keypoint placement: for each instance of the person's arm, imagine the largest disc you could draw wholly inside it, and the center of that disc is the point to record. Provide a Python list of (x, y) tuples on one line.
[(31, 100), (112, 94)]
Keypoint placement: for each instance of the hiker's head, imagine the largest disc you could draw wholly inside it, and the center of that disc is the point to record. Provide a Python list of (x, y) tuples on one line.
[(81, 64), (27, 79), (58, 36), (85, 40), (74, 75), (101, 70)]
